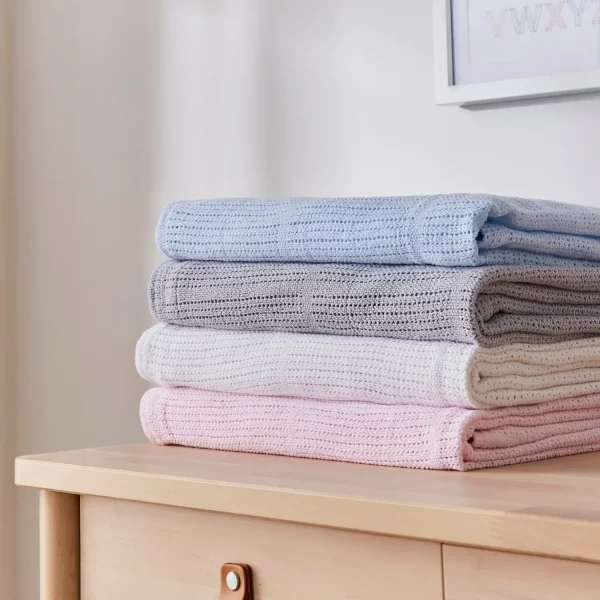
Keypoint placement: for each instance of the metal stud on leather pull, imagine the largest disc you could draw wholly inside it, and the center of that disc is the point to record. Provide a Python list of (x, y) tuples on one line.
[(236, 582)]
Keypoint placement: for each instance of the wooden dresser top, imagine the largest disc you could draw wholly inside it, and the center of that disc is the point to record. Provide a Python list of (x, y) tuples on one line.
[(549, 508)]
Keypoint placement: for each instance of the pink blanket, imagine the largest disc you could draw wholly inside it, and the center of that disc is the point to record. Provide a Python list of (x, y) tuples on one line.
[(399, 436)]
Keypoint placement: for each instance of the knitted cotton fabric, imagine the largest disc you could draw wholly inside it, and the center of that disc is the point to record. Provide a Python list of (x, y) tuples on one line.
[(398, 436), (489, 306), (447, 230), (380, 370)]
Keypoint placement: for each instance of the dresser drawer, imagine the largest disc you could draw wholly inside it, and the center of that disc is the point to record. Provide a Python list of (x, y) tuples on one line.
[(137, 550), (471, 574)]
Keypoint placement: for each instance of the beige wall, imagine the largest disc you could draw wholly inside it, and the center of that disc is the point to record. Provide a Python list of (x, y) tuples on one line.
[(7, 495), (83, 119), (123, 105)]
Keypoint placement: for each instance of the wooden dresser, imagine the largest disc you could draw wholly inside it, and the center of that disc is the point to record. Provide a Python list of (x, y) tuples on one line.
[(151, 523)]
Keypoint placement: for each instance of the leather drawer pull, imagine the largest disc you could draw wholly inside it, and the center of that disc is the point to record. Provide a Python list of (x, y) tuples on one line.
[(236, 582)]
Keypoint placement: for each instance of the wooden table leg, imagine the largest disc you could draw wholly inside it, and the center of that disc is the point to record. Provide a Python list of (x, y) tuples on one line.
[(59, 546)]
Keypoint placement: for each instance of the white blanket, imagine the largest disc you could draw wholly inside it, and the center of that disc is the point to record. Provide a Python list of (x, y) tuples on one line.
[(369, 369)]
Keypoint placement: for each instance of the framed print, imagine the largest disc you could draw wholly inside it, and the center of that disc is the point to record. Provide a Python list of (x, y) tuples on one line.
[(495, 50)]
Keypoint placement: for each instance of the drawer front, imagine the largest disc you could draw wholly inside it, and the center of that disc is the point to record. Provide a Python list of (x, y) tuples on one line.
[(471, 574), (136, 550)]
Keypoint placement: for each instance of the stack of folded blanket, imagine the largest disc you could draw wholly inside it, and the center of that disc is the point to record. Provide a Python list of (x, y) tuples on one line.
[(444, 332)]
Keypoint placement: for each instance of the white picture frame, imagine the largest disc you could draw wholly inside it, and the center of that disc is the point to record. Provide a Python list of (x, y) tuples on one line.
[(447, 93)]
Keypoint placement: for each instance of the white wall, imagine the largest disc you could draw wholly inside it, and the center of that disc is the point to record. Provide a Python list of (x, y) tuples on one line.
[(123, 105), (336, 97)]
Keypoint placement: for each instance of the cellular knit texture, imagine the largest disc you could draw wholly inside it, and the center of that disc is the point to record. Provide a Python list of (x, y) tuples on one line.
[(489, 306), (447, 230), (368, 369), (398, 436)]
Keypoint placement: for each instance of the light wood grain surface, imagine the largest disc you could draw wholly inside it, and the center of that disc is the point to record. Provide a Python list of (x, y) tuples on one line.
[(472, 574), (134, 550), (549, 508), (59, 546)]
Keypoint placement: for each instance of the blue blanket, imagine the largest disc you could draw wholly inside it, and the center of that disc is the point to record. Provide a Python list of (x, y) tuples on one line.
[(447, 230)]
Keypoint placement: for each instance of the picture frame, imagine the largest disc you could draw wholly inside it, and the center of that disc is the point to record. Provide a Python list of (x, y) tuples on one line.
[(451, 92)]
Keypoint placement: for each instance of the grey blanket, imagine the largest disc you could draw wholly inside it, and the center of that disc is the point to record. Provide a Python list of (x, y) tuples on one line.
[(489, 306)]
